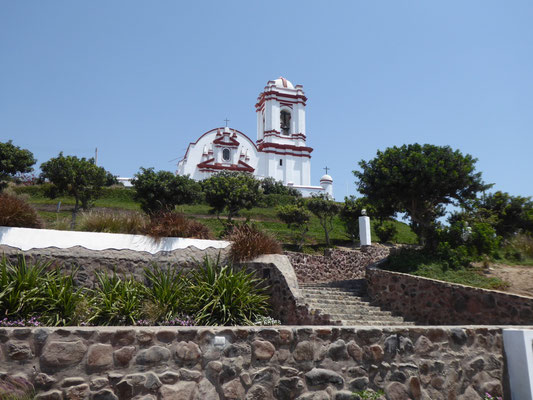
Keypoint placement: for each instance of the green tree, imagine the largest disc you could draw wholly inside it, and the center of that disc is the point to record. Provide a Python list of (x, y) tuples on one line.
[(325, 210), (507, 214), (162, 191), (272, 186), (419, 180), (230, 192), (297, 218), (13, 160), (349, 214), (77, 177)]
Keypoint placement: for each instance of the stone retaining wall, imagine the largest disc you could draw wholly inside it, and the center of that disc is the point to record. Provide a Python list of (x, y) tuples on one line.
[(303, 363), (428, 301), (124, 262), (337, 264)]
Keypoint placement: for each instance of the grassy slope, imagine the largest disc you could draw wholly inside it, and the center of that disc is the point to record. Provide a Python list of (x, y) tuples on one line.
[(122, 198)]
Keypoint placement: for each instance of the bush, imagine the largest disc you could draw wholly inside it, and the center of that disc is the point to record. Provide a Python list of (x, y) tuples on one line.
[(518, 248), (167, 293), (386, 231), (116, 300), (116, 221), (274, 199), (17, 213), (225, 295), (249, 242), (172, 224), (162, 191)]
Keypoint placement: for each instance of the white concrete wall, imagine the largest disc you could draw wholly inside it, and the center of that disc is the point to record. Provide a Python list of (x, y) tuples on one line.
[(308, 191), (26, 239), (518, 345)]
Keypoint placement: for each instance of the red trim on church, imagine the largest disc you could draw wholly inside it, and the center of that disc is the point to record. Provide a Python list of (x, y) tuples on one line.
[(266, 145), (286, 154), (232, 141), (240, 166), (210, 131)]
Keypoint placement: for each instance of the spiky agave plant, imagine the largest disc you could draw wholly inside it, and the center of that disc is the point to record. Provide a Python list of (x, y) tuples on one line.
[(226, 295)]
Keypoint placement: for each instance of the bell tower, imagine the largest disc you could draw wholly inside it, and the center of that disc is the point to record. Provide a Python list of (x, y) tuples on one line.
[(281, 134)]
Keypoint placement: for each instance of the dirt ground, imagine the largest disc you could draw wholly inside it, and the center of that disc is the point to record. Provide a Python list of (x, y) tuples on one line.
[(520, 278)]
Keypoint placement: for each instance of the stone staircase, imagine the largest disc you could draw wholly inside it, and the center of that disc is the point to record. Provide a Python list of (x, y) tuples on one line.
[(347, 302)]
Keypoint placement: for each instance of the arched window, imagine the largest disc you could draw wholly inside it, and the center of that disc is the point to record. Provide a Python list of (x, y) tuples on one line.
[(285, 122), (225, 154)]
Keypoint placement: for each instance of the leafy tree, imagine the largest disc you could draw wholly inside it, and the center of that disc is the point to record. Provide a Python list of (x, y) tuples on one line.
[(297, 218), (419, 180), (350, 212), (325, 210), (231, 192), (272, 186), (77, 177), (507, 214), (162, 191), (13, 160)]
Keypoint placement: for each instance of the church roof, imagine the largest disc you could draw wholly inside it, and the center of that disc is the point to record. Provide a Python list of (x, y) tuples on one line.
[(283, 83)]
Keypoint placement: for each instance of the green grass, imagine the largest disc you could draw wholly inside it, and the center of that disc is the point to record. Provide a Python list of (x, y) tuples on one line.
[(120, 198), (466, 276), (430, 265)]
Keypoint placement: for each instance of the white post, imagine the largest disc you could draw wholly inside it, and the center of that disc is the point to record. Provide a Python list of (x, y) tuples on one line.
[(364, 230), (518, 345)]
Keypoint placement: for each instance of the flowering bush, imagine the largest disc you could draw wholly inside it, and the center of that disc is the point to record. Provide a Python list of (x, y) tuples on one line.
[(488, 396), (16, 323)]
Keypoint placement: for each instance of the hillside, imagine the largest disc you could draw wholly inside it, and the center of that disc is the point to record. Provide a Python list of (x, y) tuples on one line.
[(120, 198)]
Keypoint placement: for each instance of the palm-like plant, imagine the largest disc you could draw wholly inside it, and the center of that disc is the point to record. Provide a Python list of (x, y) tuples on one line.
[(167, 293), (116, 301), (226, 296)]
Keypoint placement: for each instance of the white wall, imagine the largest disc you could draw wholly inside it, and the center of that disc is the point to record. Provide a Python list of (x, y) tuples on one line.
[(518, 345), (26, 239)]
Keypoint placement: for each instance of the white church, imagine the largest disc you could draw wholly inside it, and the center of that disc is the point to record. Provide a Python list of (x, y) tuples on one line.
[(280, 150)]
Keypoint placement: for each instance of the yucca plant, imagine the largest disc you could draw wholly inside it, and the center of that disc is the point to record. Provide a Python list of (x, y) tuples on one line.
[(61, 299), (248, 242), (116, 301), (21, 287), (225, 295), (15, 211), (167, 293)]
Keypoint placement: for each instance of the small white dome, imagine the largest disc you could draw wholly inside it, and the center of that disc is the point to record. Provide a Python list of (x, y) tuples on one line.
[(326, 178), (283, 83)]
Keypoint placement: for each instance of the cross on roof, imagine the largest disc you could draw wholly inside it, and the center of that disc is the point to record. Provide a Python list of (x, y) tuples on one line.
[(327, 170), (227, 120)]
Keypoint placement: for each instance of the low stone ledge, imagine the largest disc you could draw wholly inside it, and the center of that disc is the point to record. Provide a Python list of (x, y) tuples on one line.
[(336, 265), (282, 362), (430, 301)]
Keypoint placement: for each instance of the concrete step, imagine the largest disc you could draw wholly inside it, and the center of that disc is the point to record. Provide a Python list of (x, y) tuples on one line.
[(347, 303)]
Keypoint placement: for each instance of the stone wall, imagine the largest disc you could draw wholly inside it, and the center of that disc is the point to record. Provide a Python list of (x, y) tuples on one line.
[(428, 301), (303, 363), (124, 262), (337, 264), (288, 304)]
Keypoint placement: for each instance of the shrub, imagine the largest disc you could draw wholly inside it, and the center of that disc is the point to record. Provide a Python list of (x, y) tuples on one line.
[(116, 300), (21, 287), (172, 224), (117, 221), (297, 219), (162, 191), (386, 231), (16, 212), (519, 247), (167, 294), (249, 242), (60, 300), (15, 388), (225, 295)]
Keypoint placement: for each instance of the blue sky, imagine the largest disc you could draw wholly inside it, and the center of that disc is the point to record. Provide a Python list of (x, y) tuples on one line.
[(140, 80)]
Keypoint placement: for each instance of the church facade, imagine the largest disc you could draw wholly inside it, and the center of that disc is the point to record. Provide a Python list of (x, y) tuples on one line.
[(280, 150)]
